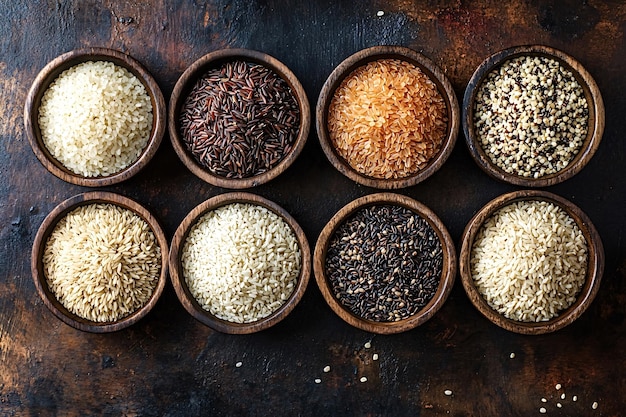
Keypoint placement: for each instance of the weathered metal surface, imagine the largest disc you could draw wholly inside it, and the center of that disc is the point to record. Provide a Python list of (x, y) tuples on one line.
[(169, 364)]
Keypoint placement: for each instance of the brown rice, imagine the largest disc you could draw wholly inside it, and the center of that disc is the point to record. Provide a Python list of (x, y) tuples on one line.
[(102, 262)]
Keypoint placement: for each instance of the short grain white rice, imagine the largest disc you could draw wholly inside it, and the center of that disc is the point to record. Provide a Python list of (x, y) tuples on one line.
[(241, 262), (529, 261), (96, 118), (102, 262)]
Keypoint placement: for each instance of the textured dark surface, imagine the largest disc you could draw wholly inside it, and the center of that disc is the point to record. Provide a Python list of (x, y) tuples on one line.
[(169, 364)]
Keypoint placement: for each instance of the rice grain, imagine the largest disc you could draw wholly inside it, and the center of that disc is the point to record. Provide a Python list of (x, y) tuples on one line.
[(102, 262), (529, 261), (387, 119), (96, 118)]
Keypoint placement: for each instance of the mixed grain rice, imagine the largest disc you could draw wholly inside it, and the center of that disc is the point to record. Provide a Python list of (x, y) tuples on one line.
[(102, 262), (529, 261), (241, 262), (96, 118), (531, 116), (387, 119)]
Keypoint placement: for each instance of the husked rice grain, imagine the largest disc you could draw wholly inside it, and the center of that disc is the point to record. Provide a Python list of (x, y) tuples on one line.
[(96, 118), (102, 262), (241, 262), (529, 261), (387, 119)]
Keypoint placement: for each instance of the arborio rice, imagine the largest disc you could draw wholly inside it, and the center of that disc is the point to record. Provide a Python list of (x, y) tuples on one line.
[(529, 261), (96, 118), (102, 262), (241, 262)]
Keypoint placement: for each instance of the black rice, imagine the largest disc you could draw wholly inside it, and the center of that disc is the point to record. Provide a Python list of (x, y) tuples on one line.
[(384, 263), (240, 120)]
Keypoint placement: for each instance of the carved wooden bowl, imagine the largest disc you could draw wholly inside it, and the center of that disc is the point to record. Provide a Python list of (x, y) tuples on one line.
[(179, 280), (595, 121), (446, 280), (359, 59), (594, 270), (66, 61), (39, 275), (214, 60)]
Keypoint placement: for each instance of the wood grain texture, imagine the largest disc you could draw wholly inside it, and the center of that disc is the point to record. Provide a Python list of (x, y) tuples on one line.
[(169, 363)]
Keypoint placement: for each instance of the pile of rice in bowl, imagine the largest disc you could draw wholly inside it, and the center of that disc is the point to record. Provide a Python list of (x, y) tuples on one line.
[(241, 262), (529, 261), (96, 118), (102, 262)]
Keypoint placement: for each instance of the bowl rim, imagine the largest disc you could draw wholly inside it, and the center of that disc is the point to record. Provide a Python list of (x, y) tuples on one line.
[(189, 302), (47, 227), (67, 60), (595, 105), (448, 273), (197, 69), (359, 59), (595, 267)]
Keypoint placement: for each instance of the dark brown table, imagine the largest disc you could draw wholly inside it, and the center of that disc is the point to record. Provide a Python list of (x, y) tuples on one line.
[(171, 365)]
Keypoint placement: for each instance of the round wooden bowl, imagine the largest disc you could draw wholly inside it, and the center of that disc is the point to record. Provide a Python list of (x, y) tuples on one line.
[(594, 272), (595, 106), (70, 59), (180, 285), (197, 70), (360, 59), (448, 273), (46, 229)]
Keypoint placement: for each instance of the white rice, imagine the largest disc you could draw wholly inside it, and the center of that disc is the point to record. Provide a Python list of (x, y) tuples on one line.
[(96, 118), (241, 262), (102, 262), (529, 261)]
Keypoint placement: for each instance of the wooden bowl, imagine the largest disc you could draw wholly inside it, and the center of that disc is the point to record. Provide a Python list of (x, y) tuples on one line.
[(180, 285), (595, 106), (197, 70), (70, 59), (594, 271), (360, 59), (448, 273), (46, 229)]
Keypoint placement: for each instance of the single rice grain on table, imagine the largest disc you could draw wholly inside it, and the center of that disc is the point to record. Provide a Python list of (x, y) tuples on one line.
[(387, 119)]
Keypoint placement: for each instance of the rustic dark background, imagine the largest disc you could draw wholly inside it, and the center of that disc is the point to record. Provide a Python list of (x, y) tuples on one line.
[(169, 364)]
